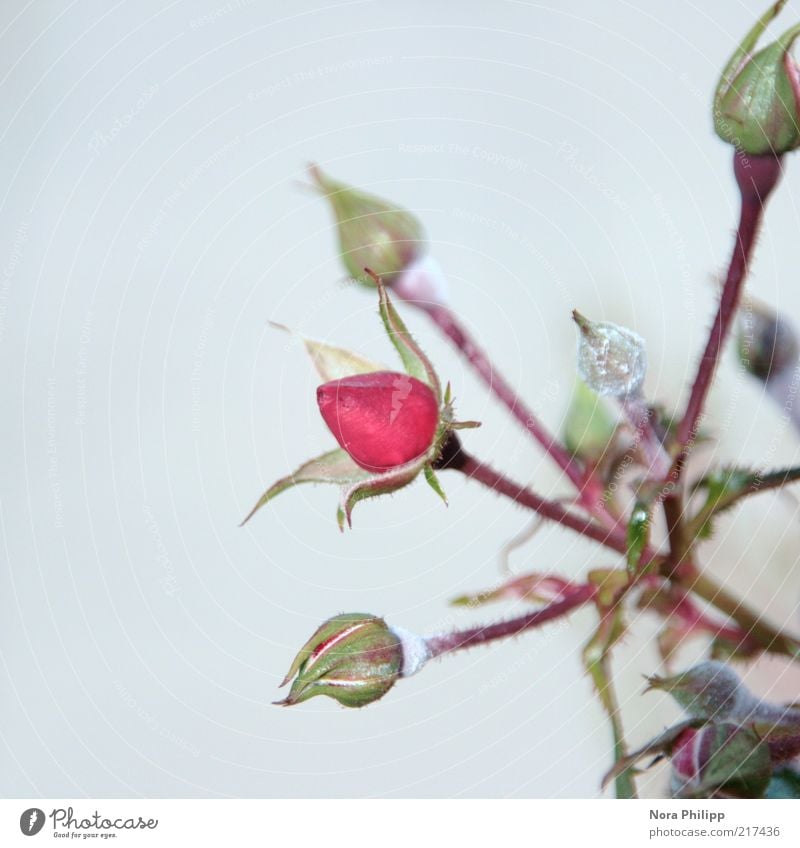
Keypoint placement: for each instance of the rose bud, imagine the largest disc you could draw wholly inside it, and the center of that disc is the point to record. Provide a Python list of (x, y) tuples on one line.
[(373, 233), (709, 690), (354, 658), (719, 760), (611, 359), (756, 105), (767, 343), (391, 427), (589, 427), (383, 419)]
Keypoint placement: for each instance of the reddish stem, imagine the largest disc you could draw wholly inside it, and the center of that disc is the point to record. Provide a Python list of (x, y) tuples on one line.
[(756, 177), (458, 640), (459, 460), (448, 323)]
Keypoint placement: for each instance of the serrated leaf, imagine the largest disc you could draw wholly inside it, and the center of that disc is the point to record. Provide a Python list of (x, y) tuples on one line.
[(331, 362), (332, 467), (414, 360), (536, 588), (726, 487)]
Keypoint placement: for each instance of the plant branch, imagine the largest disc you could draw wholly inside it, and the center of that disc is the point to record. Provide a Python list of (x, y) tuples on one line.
[(446, 320), (458, 640), (756, 176), (456, 458), (765, 635)]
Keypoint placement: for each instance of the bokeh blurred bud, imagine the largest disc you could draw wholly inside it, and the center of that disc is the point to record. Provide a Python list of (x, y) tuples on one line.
[(383, 419), (767, 342), (719, 760), (354, 658), (611, 359), (373, 233), (589, 426), (756, 105), (708, 690)]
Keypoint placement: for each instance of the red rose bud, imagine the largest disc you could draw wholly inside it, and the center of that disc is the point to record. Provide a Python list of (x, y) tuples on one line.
[(383, 419), (373, 233), (354, 658), (719, 760)]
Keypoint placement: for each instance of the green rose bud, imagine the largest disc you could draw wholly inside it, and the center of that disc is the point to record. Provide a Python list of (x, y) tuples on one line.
[(354, 658), (757, 101), (708, 690), (373, 233)]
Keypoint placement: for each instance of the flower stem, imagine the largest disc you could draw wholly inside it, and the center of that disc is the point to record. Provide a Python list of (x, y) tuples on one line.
[(446, 320), (756, 177), (458, 459), (766, 636), (458, 640)]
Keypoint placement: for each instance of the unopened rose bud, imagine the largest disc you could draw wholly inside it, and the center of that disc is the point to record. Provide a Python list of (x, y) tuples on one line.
[(767, 343), (373, 233), (354, 658), (719, 760), (589, 427), (708, 690), (756, 105), (382, 419), (611, 359)]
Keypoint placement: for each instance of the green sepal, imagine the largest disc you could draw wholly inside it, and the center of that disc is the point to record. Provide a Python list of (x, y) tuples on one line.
[(373, 485), (414, 360), (657, 748), (433, 481), (336, 466), (331, 362)]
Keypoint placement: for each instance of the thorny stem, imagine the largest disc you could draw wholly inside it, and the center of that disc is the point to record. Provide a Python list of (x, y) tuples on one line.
[(458, 640), (766, 636), (456, 458), (756, 177), (449, 324)]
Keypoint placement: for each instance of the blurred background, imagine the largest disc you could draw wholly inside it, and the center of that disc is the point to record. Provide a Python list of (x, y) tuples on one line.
[(156, 215)]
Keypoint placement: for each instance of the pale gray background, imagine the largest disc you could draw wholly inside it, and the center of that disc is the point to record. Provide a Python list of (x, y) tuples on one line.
[(153, 221)]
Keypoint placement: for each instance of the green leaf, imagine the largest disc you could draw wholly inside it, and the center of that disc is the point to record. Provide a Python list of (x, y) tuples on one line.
[(333, 363), (726, 487), (784, 785), (638, 535), (333, 467), (414, 360)]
